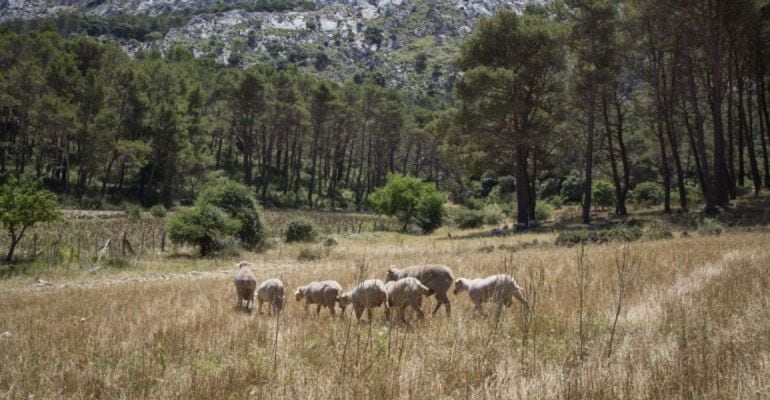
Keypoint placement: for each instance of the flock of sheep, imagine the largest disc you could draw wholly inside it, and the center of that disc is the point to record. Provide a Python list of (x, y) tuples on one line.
[(402, 288)]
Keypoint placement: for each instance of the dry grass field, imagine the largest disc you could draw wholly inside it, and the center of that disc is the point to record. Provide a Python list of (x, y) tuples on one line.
[(694, 323)]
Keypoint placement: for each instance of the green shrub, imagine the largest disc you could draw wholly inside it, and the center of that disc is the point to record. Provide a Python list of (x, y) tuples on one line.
[(615, 234), (238, 202), (410, 200), (133, 212), (158, 211), (647, 193), (310, 254), (556, 201), (300, 230), (543, 211), (206, 226), (90, 203), (572, 187), (468, 219), (603, 194), (656, 233), (711, 227), (506, 184), (493, 214)]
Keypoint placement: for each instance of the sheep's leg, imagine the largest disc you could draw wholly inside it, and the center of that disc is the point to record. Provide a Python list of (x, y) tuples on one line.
[(306, 305), (443, 299), (369, 313), (401, 312), (480, 309), (498, 311), (318, 310), (358, 314), (259, 306), (417, 308), (331, 309)]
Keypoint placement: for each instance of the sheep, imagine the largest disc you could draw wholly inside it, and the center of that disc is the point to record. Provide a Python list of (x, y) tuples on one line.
[(438, 278), (272, 292), (498, 288), (367, 295), (323, 294), (405, 292), (245, 284)]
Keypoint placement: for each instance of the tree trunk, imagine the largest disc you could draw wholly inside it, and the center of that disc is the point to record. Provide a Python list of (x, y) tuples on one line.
[(522, 187), (590, 125)]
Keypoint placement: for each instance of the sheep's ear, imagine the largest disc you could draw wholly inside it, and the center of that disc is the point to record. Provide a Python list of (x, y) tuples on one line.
[(457, 281)]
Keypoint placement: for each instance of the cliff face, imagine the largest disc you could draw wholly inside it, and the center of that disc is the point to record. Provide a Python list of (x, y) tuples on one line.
[(404, 42)]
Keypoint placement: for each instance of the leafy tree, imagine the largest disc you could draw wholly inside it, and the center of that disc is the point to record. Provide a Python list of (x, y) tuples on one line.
[(509, 90), (206, 226), (239, 202), (23, 205), (409, 199)]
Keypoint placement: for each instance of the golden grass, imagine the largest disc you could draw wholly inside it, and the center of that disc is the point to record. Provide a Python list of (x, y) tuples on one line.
[(695, 324)]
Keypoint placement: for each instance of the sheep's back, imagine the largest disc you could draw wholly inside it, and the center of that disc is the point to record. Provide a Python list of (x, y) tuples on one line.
[(438, 278)]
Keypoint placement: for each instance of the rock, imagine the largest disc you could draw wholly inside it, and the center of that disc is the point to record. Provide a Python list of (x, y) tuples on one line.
[(42, 283), (5, 334)]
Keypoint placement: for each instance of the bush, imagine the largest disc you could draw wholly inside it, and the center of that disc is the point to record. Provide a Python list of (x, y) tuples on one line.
[(90, 203), (310, 254), (543, 211), (300, 230), (238, 202), (616, 234), (158, 211), (493, 214), (133, 212), (711, 227), (410, 200), (572, 187), (556, 201), (506, 184), (603, 194), (647, 193), (206, 226), (468, 219), (656, 233)]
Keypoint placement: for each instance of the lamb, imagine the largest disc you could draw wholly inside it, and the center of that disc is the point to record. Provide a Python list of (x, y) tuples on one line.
[(323, 294), (367, 295), (498, 288), (245, 284), (270, 291), (438, 278), (405, 292)]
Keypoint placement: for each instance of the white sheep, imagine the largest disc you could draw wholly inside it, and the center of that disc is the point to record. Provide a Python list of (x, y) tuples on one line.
[(406, 292), (245, 284), (497, 288), (323, 294), (271, 292), (438, 278), (367, 295)]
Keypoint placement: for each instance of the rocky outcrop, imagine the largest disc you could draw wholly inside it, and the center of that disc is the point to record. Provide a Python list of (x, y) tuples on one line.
[(345, 35)]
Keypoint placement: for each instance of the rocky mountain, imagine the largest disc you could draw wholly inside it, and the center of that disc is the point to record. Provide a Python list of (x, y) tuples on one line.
[(401, 42)]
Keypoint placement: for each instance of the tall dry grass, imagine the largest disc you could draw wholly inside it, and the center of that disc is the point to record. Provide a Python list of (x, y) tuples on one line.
[(694, 324)]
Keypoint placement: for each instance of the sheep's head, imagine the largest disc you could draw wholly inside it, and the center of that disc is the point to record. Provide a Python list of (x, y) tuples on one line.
[(244, 264), (392, 275), (343, 300), (299, 294), (460, 285)]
